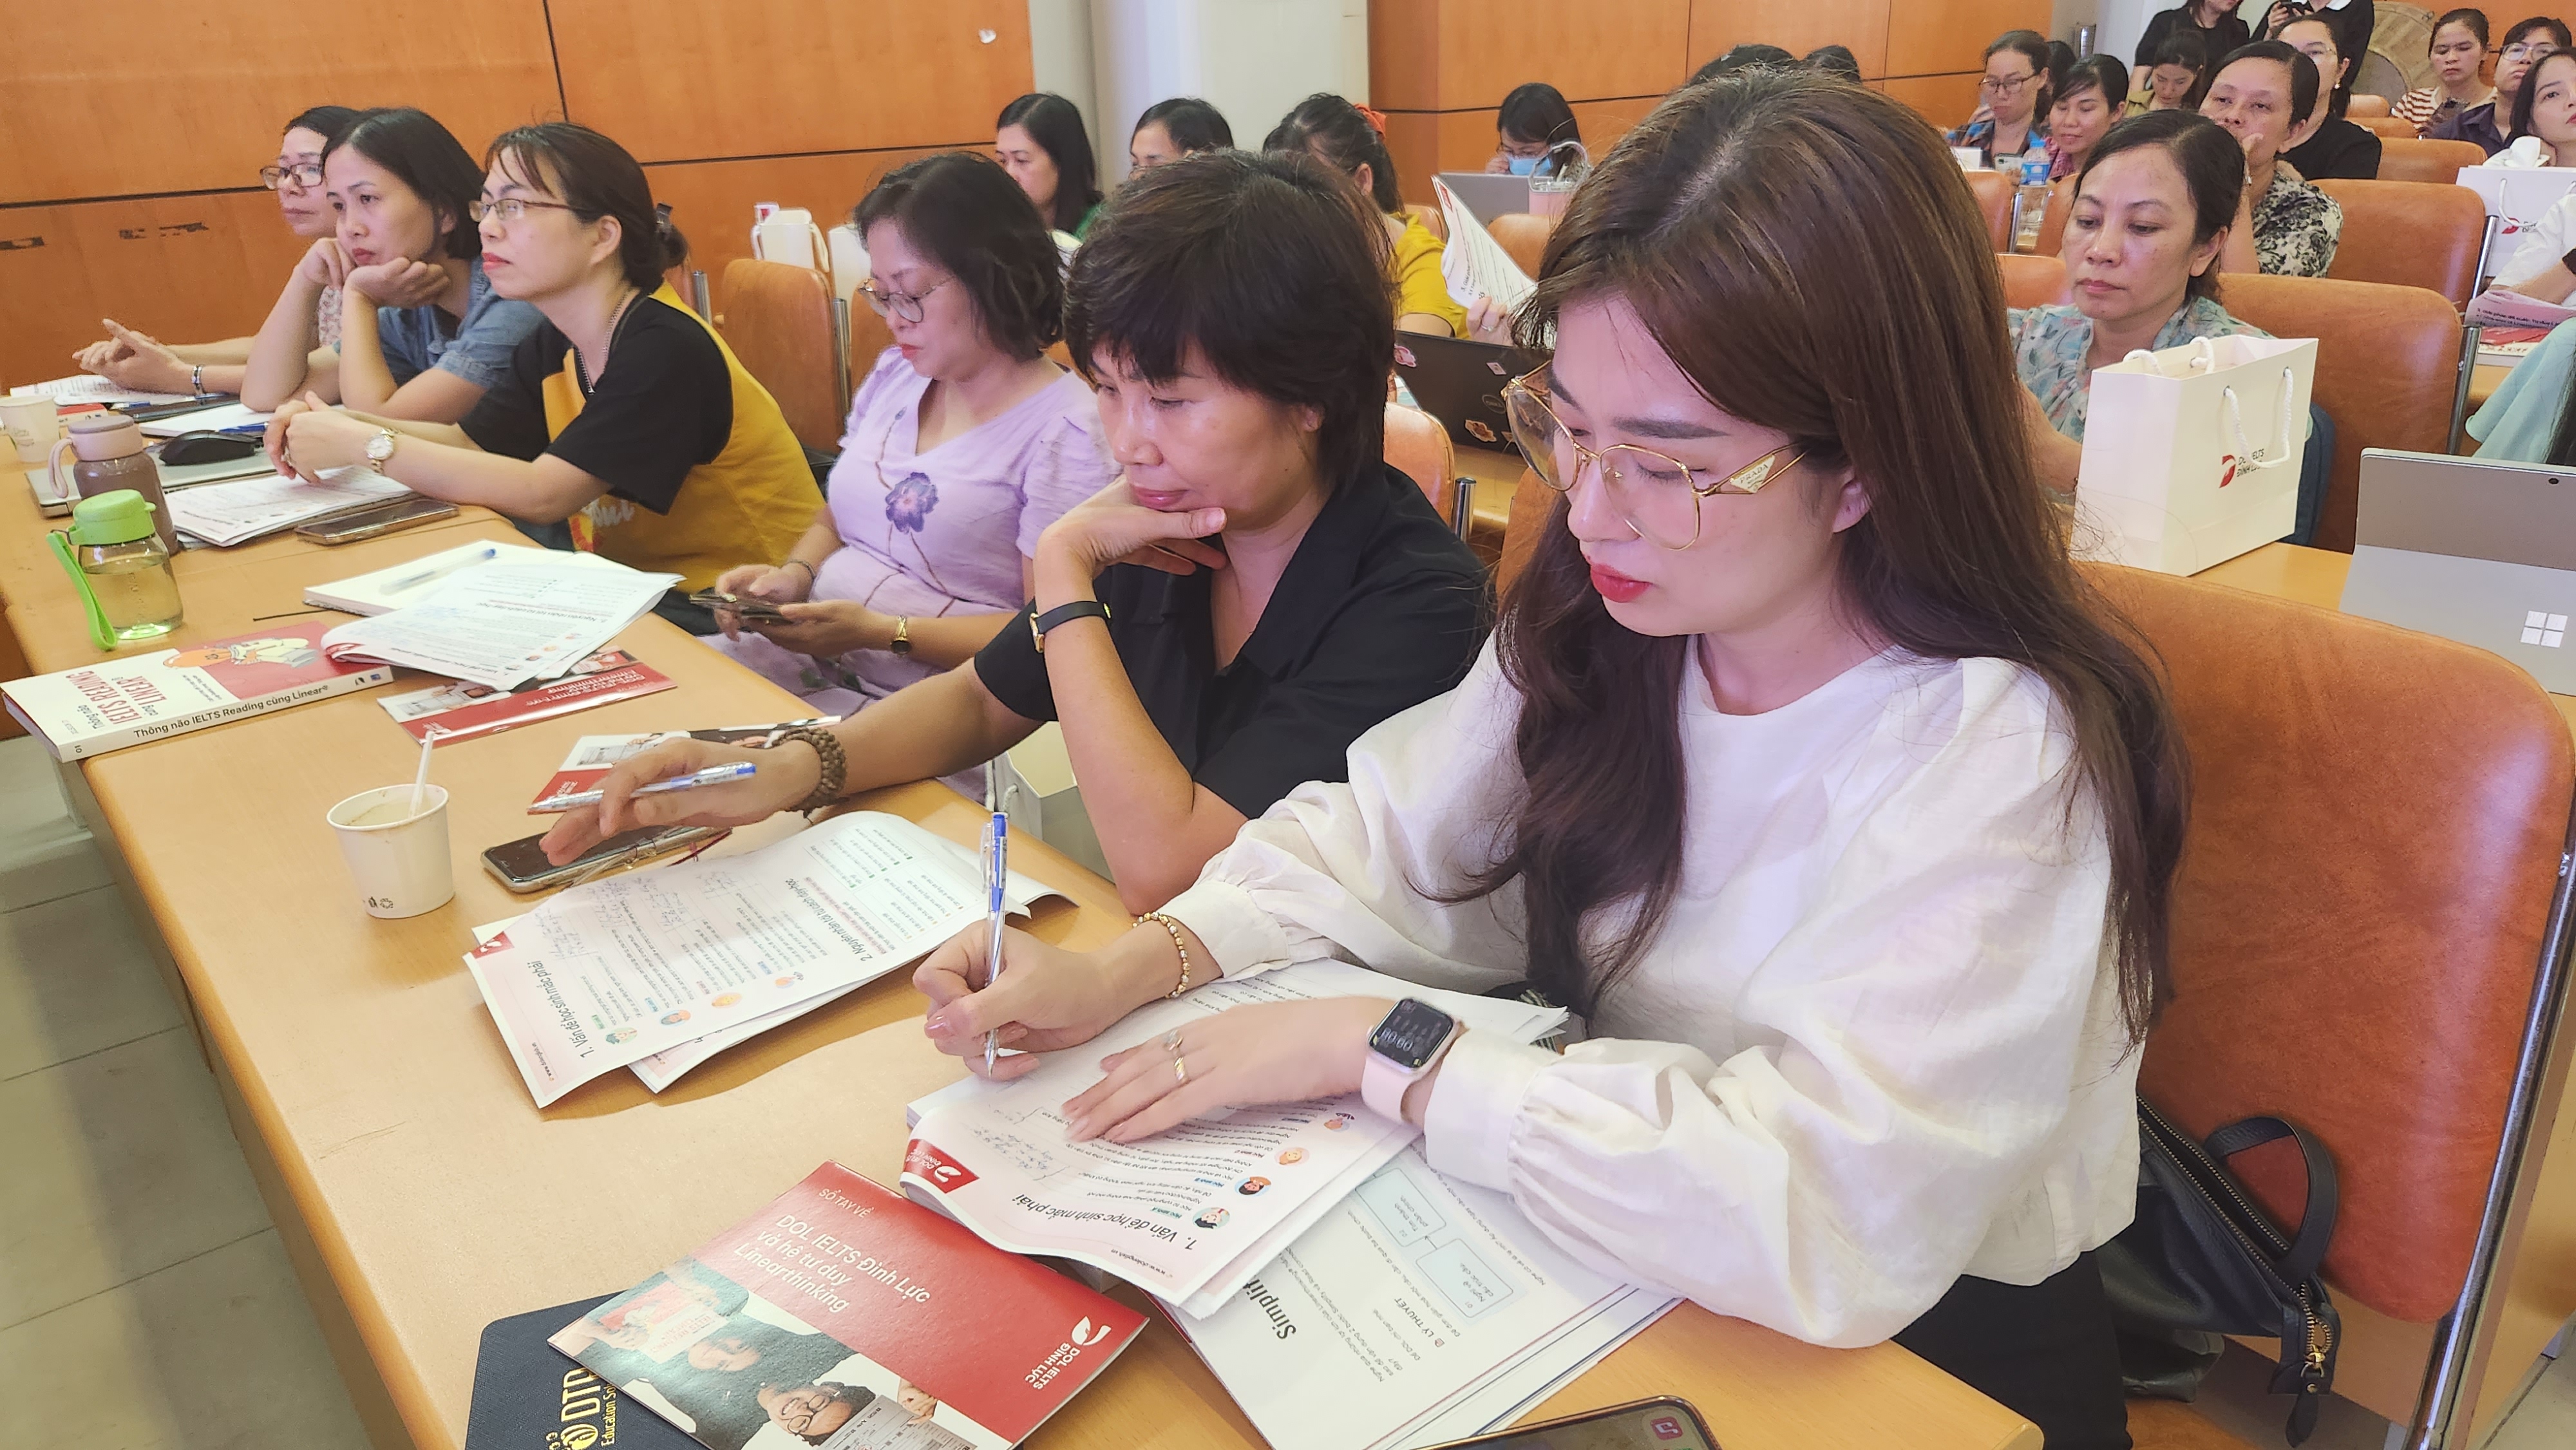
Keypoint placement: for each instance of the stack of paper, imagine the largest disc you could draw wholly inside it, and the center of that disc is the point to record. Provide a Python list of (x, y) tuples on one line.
[(225, 514), (1192, 1214), (214, 419), (531, 615), (1474, 264), (414, 580), (90, 388)]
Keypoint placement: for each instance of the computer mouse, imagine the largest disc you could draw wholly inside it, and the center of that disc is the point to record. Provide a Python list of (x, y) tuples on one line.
[(204, 447)]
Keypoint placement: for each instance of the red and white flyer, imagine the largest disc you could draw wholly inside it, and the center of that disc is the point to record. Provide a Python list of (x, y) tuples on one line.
[(842, 1315), (461, 709)]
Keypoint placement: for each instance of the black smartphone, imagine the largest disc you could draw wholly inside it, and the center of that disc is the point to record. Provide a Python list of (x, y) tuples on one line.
[(375, 519), (524, 868), (760, 609), (1665, 1424)]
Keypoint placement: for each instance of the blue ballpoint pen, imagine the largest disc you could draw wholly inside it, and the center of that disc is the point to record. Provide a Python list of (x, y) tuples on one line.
[(712, 775), (997, 870)]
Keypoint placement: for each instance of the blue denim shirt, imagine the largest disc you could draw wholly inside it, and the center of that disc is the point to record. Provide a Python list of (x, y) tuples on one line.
[(477, 349)]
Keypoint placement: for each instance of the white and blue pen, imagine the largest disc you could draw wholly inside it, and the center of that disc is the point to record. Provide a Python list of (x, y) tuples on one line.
[(712, 775), (997, 870)]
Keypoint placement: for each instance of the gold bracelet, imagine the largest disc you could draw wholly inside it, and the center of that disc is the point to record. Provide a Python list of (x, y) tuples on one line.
[(1178, 944)]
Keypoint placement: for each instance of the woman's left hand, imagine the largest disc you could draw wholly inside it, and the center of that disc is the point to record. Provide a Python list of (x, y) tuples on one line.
[(826, 627), (1272, 1052), (307, 435), (1111, 527)]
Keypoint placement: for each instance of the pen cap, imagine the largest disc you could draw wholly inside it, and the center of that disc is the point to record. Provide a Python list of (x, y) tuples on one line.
[(119, 516)]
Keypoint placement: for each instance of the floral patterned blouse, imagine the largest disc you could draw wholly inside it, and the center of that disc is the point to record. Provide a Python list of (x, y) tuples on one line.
[(2050, 345), (2296, 226)]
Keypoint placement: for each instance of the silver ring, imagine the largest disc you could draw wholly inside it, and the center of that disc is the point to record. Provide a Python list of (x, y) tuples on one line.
[(1181, 1069)]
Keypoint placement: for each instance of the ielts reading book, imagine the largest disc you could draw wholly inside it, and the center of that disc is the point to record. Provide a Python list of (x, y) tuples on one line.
[(847, 1316)]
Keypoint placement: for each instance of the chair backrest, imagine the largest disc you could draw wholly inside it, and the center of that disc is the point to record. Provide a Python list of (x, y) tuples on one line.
[(2410, 233), (1534, 512), (778, 320), (1432, 218), (1419, 448), (2387, 369), (2363, 104), (2359, 921), (869, 338), (1994, 192), (2384, 126), (2031, 281), (2403, 160), (2052, 222), (1523, 235)]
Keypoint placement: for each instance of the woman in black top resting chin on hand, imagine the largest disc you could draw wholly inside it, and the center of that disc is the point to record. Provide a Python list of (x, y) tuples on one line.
[(1216, 627)]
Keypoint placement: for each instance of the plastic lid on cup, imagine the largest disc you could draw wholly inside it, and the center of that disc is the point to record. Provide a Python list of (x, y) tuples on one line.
[(119, 516)]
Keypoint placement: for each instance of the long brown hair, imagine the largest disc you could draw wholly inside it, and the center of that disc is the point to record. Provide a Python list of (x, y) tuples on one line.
[(1809, 255)]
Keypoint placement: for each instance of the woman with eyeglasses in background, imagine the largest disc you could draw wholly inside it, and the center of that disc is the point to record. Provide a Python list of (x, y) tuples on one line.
[(621, 414), (964, 442), (1529, 126), (2525, 42), (135, 360), (2015, 93), (2458, 51), (2331, 148)]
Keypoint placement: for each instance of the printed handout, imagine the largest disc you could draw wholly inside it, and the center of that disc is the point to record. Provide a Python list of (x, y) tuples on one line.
[(506, 622)]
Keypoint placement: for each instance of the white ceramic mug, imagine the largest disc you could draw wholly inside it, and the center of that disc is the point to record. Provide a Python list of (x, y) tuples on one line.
[(32, 425), (399, 858)]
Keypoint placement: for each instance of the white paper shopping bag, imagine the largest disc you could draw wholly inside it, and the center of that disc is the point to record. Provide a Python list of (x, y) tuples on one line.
[(2516, 197), (2191, 455)]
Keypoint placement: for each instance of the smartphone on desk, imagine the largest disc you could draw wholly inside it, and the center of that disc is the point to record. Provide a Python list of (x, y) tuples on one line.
[(1665, 1424), (376, 519), (523, 868), (748, 608)]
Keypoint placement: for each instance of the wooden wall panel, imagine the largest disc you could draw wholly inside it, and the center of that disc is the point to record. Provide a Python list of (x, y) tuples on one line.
[(126, 98), (1797, 26), (183, 268), (711, 200), (684, 79), (1945, 101), (1453, 55), (1427, 142), (1931, 37), (1404, 55)]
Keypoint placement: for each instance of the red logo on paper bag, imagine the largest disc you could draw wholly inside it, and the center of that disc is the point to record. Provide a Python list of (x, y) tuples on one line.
[(1667, 1428), (938, 1169), (2226, 470)]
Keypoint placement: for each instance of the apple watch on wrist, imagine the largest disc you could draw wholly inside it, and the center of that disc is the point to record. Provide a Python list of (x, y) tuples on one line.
[(1407, 1044)]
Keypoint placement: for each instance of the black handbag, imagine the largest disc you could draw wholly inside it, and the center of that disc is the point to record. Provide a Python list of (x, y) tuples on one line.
[(2202, 1260)]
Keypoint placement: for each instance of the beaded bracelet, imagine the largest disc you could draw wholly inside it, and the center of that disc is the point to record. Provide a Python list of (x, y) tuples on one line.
[(1178, 944)]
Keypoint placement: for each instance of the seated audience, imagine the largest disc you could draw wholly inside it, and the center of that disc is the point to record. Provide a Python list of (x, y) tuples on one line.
[(2084, 113), (622, 414), (2544, 107), (964, 443), (1834, 60), (2484, 124), (1800, 733), (422, 333), (136, 360), (2459, 52), (1742, 58), (2528, 420), (1170, 130), (2287, 227), (1529, 127), (2353, 21), (1352, 140), (2015, 96), (1041, 141), (1255, 592), (2177, 74), (2152, 211), (2213, 23), (2333, 148)]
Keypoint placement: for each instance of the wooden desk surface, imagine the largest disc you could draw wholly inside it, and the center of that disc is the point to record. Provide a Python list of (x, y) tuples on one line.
[(438, 1197)]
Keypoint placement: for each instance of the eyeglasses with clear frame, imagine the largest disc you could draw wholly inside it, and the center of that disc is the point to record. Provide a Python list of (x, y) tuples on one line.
[(305, 176), (906, 305), (509, 209), (1645, 488), (2005, 85), (2531, 50)]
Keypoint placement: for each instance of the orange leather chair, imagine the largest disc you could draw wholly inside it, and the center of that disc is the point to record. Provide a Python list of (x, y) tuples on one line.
[(869, 338), (1994, 193), (1535, 510), (2385, 126), (2052, 223), (2032, 281), (1524, 236), (778, 320), (1419, 448), (2403, 160), (1432, 219), (2368, 939), (2362, 104), (2388, 369), (2411, 234)]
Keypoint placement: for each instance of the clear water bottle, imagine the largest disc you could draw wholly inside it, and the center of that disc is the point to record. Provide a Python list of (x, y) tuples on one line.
[(2030, 201), (117, 561)]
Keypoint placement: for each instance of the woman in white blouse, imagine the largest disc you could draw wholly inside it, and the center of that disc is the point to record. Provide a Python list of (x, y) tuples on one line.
[(1803, 765)]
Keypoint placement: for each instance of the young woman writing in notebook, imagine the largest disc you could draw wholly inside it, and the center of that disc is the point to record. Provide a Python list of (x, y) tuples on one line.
[(621, 413), (1218, 625), (1803, 764)]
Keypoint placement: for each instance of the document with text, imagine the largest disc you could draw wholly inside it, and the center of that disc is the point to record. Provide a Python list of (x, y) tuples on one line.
[(506, 622)]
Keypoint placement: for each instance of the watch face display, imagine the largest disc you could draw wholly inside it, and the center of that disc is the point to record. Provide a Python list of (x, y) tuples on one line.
[(1410, 1034)]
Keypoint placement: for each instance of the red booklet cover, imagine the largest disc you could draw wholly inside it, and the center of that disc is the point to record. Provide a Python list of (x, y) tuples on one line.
[(462, 709), (848, 1316)]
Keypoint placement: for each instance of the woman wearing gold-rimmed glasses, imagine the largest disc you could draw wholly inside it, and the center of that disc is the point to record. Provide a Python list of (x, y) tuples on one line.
[(1803, 765)]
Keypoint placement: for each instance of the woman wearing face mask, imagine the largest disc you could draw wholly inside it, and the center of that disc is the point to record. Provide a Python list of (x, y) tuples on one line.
[(2084, 114), (2016, 98), (1800, 733), (2458, 52), (621, 414), (422, 333), (2524, 44), (1170, 130), (1352, 140), (1529, 127), (964, 443), (2333, 148), (135, 360), (1041, 141), (1219, 625), (2285, 226), (2177, 74)]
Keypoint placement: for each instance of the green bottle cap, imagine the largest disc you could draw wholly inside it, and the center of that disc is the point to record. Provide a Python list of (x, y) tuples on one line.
[(119, 516)]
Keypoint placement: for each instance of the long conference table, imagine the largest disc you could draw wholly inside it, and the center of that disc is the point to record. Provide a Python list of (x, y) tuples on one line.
[(420, 1192)]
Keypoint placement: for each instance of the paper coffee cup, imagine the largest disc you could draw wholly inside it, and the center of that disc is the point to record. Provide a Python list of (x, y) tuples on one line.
[(399, 859), (32, 426)]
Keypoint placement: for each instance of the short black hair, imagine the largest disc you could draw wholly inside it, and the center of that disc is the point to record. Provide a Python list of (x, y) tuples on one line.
[(597, 178), (1055, 124), (2100, 71), (426, 157), (1193, 124), (2188, 48), (2337, 87), (970, 217), (2475, 20), (2031, 46), (1536, 112), (2304, 83), (1744, 58), (2557, 30), (2211, 163), (1265, 263), (1326, 125), (2526, 95), (1834, 60), (323, 121)]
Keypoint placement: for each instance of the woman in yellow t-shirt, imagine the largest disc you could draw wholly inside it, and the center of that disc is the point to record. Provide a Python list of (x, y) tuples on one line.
[(1353, 141)]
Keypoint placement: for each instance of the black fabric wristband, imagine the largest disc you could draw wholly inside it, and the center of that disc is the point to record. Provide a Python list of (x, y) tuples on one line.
[(1065, 614)]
